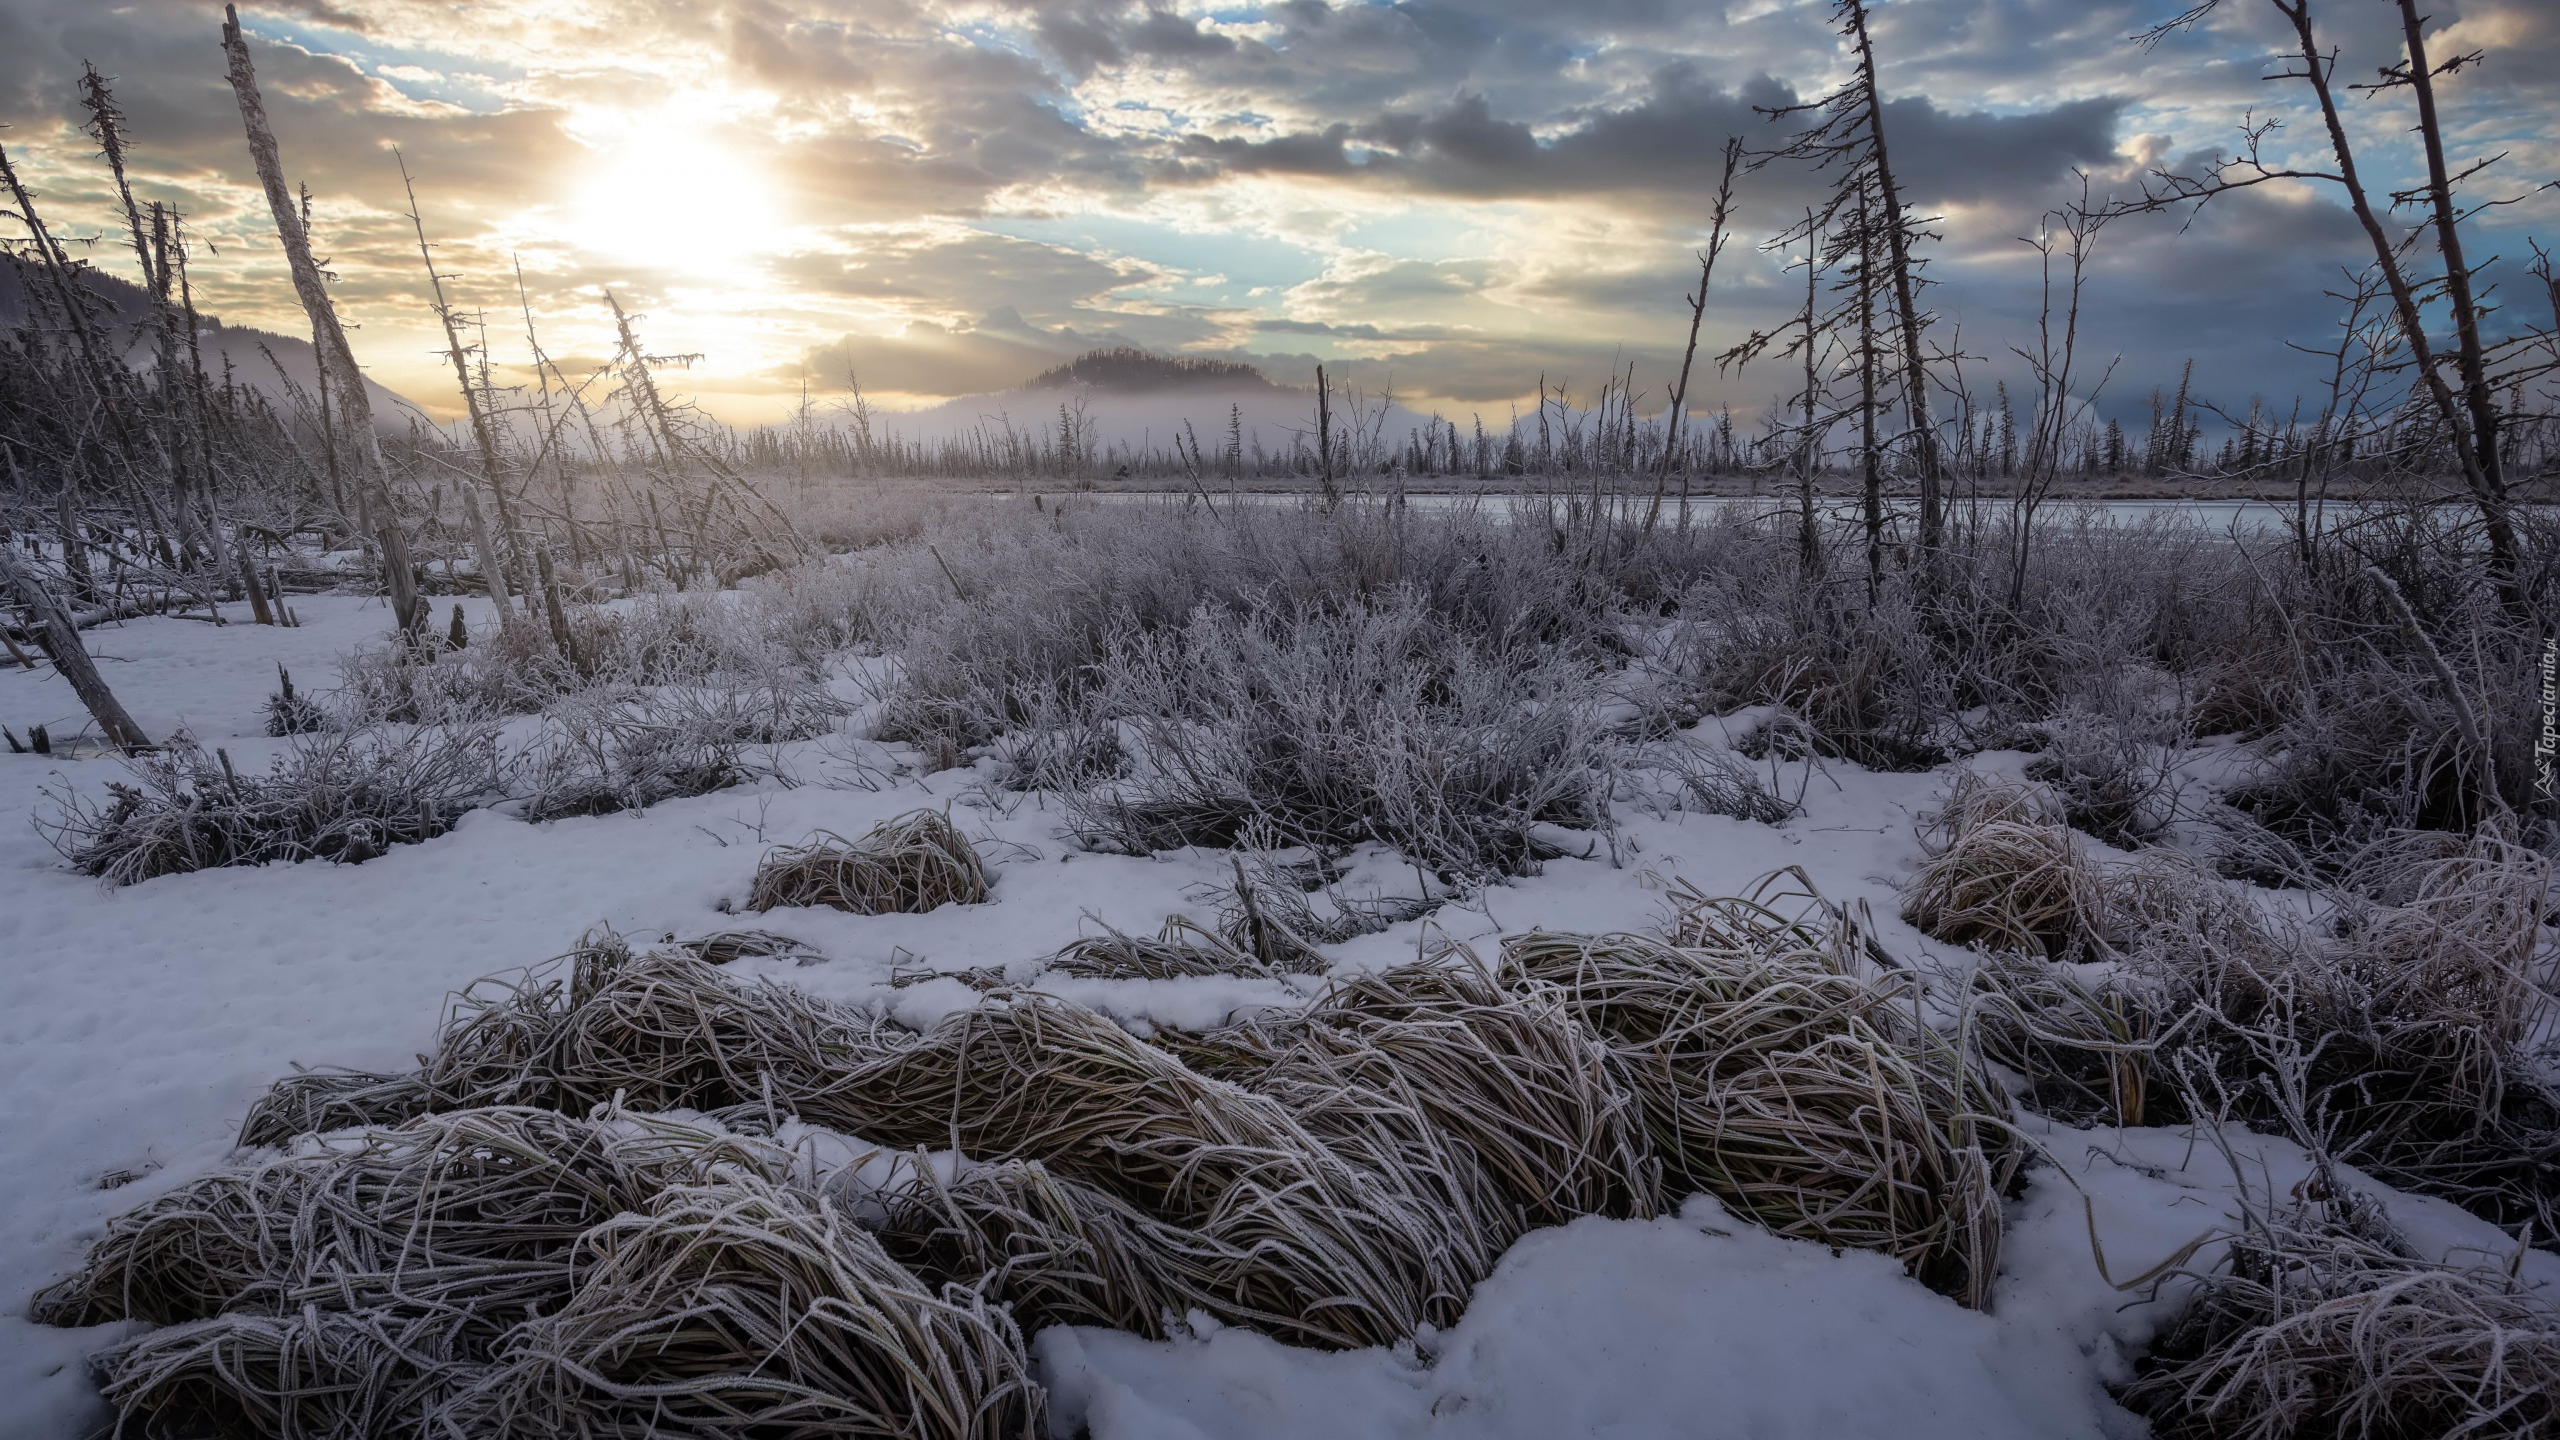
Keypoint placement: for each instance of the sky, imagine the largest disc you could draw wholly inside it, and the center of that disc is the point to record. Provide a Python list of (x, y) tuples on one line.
[(1452, 198)]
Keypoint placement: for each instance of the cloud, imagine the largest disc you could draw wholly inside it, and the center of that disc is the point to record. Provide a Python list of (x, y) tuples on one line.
[(925, 359), (1668, 142), (953, 194)]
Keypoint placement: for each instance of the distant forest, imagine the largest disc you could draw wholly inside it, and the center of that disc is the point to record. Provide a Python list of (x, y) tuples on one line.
[(1129, 368)]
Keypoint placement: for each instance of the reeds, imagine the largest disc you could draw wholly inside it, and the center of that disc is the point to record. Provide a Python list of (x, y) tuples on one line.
[(910, 864)]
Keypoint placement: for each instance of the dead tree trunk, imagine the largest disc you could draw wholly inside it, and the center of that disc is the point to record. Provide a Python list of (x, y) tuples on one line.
[(61, 640), (1324, 438), (1915, 374), (1697, 313), (336, 359), (493, 564), (1870, 459), (2482, 466), (2470, 418), (1808, 448)]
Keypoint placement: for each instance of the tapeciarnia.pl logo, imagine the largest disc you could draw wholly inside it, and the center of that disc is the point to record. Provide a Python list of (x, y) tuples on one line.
[(2546, 746)]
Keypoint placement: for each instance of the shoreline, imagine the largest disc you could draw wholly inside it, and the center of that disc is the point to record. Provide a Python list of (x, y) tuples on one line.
[(1735, 489)]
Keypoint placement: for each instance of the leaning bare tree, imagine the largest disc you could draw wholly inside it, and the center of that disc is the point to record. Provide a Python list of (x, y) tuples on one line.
[(494, 565), (1697, 312), (337, 362), (1847, 140), (54, 630), (2460, 384), (2071, 230)]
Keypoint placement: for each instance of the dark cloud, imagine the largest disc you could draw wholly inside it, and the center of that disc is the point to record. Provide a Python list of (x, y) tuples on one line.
[(1671, 140), (1543, 168)]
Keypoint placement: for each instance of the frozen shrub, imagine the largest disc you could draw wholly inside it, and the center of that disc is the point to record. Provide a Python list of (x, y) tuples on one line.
[(2319, 1321), (1330, 729), (346, 796), (290, 712), (2395, 1034), (1683, 775), (1866, 686), (604, 751), (1067, 755), (2113, 764)]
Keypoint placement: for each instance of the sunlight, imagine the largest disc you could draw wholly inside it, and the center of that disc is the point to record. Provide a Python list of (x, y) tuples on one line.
[(671, 188)]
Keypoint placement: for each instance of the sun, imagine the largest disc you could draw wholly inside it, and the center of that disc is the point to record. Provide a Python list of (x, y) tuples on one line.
[(673, 187)]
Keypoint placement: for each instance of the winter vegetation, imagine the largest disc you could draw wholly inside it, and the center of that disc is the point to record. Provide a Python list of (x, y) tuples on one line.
[(1403, 928)]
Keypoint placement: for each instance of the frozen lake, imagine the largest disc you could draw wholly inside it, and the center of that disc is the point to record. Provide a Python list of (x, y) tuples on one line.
[(2246, 516)]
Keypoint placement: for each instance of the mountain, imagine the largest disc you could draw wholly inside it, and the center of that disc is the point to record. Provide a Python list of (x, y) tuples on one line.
[(1140, 400), (124, 309), (1127, 370)]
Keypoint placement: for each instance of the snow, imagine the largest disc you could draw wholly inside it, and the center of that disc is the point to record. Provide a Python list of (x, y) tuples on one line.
[(1697, 1324), (140, 1024), (1705, 1325)]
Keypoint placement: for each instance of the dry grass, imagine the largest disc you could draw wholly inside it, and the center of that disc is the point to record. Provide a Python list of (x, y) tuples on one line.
[(1345, 1246), (2394, 1035), (2084, 1046), (472, 1210), (1180, 949), (728, 945), (908, 865), (1268, 914), (1339, 1175), (373, 1283), (1782, 911), (747, 1309), (2003, 873), (665, 1030), (514, 1271), (1537, 1101), (1798, 1094), (2320, 1322), (1055, 1251), (1323, 1248)]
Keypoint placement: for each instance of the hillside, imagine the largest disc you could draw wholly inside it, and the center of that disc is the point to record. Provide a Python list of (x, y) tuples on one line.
[(274, 365)]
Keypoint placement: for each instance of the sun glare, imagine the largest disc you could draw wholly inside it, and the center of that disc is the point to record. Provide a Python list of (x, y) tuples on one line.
[(671, 188)]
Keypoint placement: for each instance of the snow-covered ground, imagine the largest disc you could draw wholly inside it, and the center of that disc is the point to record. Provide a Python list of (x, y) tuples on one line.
[(137, 1025)]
